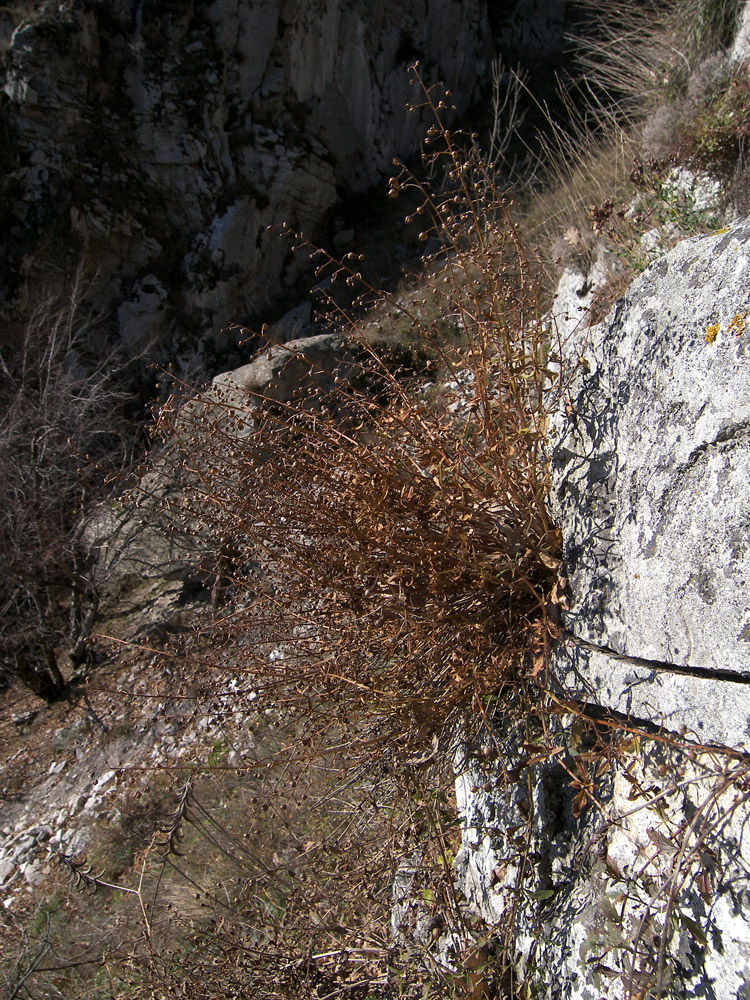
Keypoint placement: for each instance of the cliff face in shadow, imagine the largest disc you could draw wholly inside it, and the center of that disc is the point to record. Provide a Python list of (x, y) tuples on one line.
[(157, 143)]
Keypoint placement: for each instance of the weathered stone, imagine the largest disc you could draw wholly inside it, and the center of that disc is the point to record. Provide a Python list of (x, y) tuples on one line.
[(702, 192), (141, 318), (33, 873), (171, 141), (139, 546), (701, 707), (7, 868), (740, 51), (648, 888), (651, 463), (588, 893), (574, 297), (62, 738), (282, 370)]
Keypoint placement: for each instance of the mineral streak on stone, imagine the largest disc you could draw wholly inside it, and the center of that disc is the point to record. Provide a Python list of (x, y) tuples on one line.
[(702, 707)]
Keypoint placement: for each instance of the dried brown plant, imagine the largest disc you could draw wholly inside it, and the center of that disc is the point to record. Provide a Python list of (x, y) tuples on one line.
[(393, 555), (386, 562)]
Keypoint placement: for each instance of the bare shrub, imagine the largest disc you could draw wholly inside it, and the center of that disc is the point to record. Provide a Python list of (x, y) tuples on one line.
[(61, 414), (403, 554), (388, 563)]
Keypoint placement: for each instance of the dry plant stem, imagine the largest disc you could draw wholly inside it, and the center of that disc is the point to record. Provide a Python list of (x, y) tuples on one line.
[(61, 414), (690, 842), (385, 563), (173, 833), (322, 445), (386, 559), (508, 117), (16, 980), (629, 53), (81, 874), (686, 854)]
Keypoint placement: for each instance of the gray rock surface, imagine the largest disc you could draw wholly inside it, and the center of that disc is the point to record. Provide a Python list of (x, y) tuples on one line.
[(161, 141), (574, 296), (740, 51), (705, 708), (280, 371), (140, 546), (589, 898), (651, 471), (651, 463)]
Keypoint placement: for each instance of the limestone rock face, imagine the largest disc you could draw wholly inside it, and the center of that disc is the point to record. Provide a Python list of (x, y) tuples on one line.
[(161, 141), (591, 898), (574, 297), (651, 471), (740, 51), (652, 464)]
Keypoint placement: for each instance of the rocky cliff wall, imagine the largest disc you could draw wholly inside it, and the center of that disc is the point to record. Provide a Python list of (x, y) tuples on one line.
[(158, 142), (645, 879)]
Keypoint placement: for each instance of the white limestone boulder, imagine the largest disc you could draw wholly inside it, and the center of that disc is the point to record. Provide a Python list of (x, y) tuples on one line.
[(651, 463)]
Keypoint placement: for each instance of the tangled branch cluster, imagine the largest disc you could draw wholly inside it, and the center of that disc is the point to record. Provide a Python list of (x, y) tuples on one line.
[(387, 538)]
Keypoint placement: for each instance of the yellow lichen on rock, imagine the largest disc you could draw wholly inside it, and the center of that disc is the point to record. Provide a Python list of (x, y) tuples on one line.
[(737, 323)]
